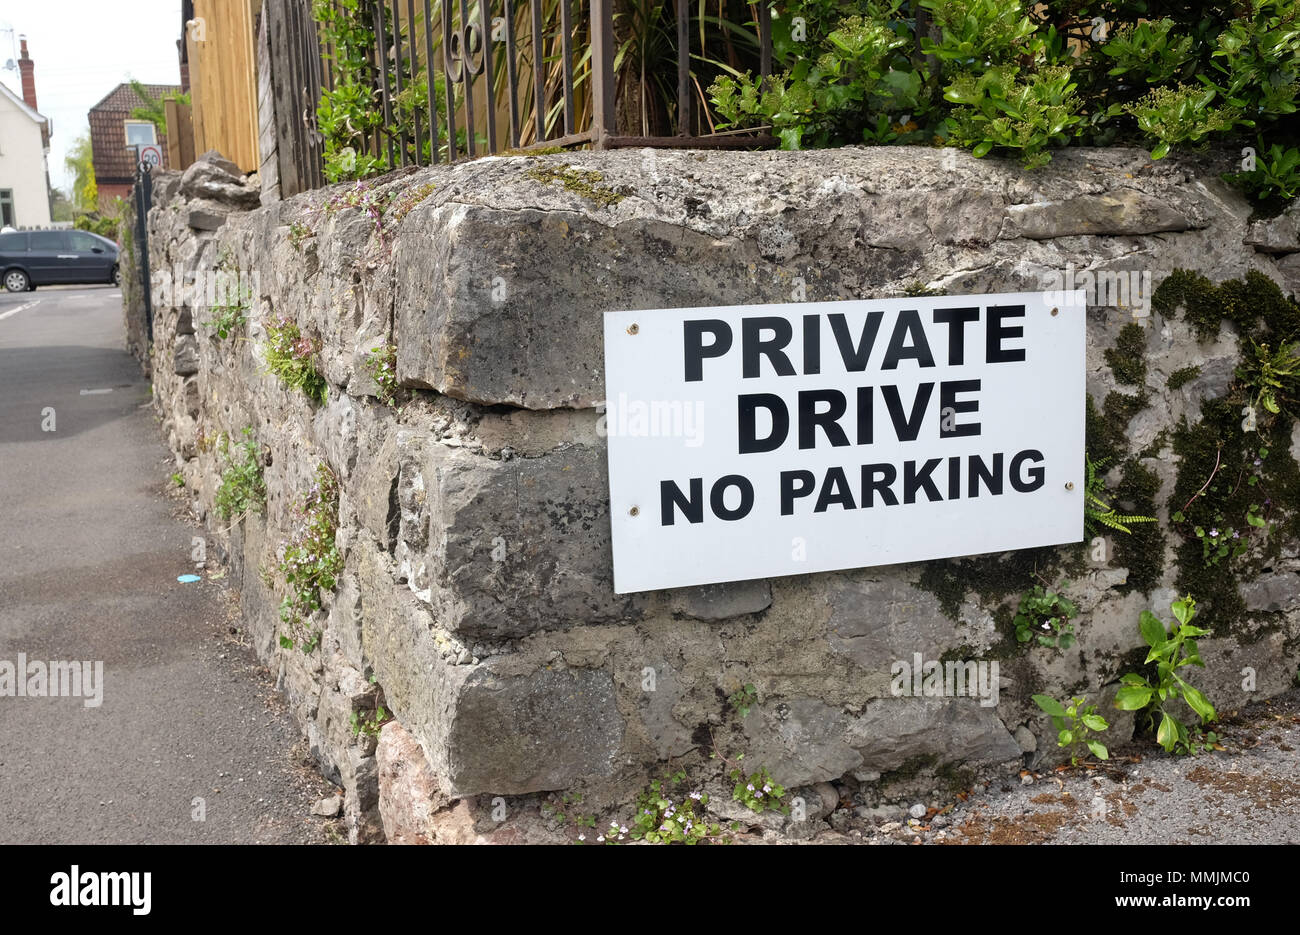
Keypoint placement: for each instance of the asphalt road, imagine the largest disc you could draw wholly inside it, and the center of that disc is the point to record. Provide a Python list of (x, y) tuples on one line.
[(90, 549)]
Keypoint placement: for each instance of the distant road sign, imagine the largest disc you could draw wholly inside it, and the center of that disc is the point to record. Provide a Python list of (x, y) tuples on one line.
[(151, 155)]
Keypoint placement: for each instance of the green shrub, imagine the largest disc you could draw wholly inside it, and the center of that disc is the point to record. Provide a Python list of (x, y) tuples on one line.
[(291, 356), (310, 562), (242, 489), (1020, 77), (1171, 650), (1276, 175), (1075, 724), (381, 365)]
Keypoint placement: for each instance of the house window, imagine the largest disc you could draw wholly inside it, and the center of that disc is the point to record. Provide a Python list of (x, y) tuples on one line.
[(6, 207), (140, 133)]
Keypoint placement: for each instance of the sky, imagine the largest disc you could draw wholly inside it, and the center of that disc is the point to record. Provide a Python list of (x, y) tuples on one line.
[(82, 50)]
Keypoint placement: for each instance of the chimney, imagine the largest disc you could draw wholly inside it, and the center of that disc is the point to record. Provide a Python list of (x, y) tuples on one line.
[(28, 70)]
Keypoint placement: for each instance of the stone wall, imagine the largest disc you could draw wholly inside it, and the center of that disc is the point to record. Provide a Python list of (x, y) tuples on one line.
[(476, 594)]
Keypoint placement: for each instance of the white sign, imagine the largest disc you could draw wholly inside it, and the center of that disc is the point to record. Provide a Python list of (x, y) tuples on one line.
[(151, 155), (765, 440)]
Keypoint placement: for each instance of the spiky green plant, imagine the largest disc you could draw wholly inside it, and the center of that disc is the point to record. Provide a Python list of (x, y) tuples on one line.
[(1097, 513)]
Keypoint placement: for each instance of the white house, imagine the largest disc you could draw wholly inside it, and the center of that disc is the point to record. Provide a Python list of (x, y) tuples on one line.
[(24, 149)]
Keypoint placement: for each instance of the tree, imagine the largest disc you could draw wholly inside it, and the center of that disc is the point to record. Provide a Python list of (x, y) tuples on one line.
[(61, 205), (80, 162), (153, 109)]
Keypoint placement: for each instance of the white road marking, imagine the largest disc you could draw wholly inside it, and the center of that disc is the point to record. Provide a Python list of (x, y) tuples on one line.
[(95, 392), (15, 311)]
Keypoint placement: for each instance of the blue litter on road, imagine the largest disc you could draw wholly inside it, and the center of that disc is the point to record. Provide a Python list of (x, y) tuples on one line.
[(188, 579)]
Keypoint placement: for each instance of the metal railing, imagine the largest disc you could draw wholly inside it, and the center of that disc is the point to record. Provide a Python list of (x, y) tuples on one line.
[(525, 81)]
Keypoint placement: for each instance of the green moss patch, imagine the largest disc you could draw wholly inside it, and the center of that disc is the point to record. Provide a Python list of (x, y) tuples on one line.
[(1219, 500), (1246, 302), (1231, 480), (1142, 551), (1127, 359), (996, 577), (1106, 431), (1180, 378)]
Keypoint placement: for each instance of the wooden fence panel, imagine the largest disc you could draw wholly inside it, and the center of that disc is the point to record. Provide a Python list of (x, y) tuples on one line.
[(180, 135), (223, 82), (269, 170), (291, 58)]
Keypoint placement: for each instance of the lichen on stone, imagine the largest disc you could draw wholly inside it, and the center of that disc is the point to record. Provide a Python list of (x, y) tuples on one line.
[(580, 182)]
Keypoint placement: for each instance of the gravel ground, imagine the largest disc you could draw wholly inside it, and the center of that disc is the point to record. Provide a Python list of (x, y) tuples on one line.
[(1248, 793)]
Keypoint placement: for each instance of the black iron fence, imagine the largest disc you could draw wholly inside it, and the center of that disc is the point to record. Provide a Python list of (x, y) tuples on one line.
[(450, 79)]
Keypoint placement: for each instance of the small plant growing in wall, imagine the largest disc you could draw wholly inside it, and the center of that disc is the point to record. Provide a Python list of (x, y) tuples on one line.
[(403, 203), (1273, 377), (291, 356), (381, 365), (1045, 616), (665, 816), (1075, 723), (1222, 539), (1171, 650), (758, 791), (229, 318), (231, 299), (370, 724), (742, 699), (385, 209), (298, 232), (564, 808), (310, 562), (1096, 511), (242, 490)]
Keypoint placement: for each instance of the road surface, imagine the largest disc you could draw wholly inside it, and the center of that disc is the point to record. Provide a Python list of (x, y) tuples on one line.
[(90, 550)]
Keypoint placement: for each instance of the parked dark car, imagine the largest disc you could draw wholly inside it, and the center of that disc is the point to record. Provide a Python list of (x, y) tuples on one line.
[(47, 258)]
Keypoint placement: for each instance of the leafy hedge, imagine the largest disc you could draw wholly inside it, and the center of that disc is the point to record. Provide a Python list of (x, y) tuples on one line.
[(1010, 76)]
